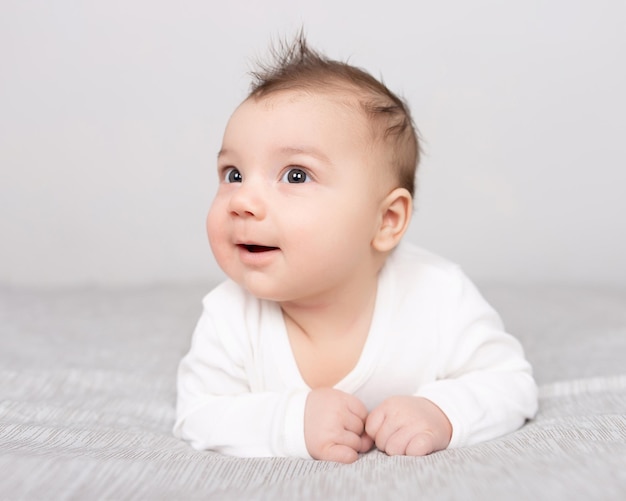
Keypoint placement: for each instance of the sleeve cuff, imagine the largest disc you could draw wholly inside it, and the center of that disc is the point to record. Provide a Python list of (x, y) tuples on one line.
[(447, 400), (291, 434)]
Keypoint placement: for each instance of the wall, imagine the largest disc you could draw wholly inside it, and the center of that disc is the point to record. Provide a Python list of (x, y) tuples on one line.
[(111, 115)]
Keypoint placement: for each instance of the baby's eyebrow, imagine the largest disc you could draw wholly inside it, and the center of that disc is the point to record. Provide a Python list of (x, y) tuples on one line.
[(291, 150), (306, 150)]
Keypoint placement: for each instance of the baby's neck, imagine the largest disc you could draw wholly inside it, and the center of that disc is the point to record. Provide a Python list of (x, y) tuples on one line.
[(330, 317), (327, 337)]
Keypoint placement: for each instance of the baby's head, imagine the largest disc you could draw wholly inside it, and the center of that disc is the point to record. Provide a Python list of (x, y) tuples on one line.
[(298, 68), (317, 171)]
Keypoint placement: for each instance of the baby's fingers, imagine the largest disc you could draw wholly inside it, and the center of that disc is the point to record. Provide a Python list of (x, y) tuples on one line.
[(356, 407), (354, 424), (374, 422), (366, 443), (340, 454), (405, 442), (421, 444), (396, 443)]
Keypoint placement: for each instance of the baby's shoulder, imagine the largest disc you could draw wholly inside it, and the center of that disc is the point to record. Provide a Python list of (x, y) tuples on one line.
[(227, 298), (235, 317), (418, 276), (417, 265), (225, 291)]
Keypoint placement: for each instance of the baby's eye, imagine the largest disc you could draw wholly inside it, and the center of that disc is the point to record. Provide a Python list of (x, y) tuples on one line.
[(232, 175), (296, 175)]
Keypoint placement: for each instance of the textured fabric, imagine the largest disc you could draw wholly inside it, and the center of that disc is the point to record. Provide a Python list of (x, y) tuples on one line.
[(432, 335), (87, 391)]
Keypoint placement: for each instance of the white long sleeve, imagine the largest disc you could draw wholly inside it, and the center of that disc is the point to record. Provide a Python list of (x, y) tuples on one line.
[(483, 383), (218, 407)]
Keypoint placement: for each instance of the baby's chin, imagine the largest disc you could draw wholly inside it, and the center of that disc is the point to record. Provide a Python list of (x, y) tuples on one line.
[(274, 294), (262, 288)]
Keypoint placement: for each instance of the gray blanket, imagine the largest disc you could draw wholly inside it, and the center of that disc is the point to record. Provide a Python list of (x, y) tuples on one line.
[(87, 391)]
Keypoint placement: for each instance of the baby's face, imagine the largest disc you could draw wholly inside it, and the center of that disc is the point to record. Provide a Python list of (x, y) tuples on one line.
[(298, 201)]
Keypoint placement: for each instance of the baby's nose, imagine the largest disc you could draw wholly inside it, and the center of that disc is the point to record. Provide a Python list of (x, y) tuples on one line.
[(247, 201)]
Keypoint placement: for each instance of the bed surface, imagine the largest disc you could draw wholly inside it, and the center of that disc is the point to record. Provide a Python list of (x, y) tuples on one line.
[(87, 392)]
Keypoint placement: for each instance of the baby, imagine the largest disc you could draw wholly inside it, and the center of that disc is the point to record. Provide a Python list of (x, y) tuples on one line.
[(331, 337)]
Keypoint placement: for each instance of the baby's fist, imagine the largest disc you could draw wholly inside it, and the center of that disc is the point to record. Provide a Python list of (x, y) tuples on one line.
[(407, 425), (334, 426)]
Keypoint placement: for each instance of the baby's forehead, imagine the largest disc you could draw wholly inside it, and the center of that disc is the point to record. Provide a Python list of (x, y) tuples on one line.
[(347, 101), (343, 99)]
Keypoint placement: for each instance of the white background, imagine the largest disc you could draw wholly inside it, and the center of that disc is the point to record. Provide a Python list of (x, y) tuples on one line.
[(111, 114)]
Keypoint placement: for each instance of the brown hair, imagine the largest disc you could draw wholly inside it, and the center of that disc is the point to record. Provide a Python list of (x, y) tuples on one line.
[(296, 66)]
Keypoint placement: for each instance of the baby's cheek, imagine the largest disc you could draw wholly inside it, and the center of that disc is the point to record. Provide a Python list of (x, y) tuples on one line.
[(215, 223), (217, 234)]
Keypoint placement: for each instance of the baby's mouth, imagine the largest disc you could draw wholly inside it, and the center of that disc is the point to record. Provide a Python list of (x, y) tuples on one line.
[(257, 248)]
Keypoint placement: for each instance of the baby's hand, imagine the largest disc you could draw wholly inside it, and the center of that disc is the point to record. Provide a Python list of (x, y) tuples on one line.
[(334, 424), (407, 425)]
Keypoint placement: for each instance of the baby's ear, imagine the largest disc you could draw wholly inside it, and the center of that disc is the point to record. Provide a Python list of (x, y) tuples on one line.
[(395, 215)]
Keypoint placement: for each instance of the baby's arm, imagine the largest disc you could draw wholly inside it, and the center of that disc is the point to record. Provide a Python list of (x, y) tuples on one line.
[(482, 389), (217, 409), (484, 383)]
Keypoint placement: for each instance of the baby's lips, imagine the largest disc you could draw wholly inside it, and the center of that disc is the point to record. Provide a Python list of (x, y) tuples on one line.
[(257, 248)]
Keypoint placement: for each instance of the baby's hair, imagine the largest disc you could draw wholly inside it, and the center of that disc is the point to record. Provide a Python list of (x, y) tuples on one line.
[(295, 66)]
